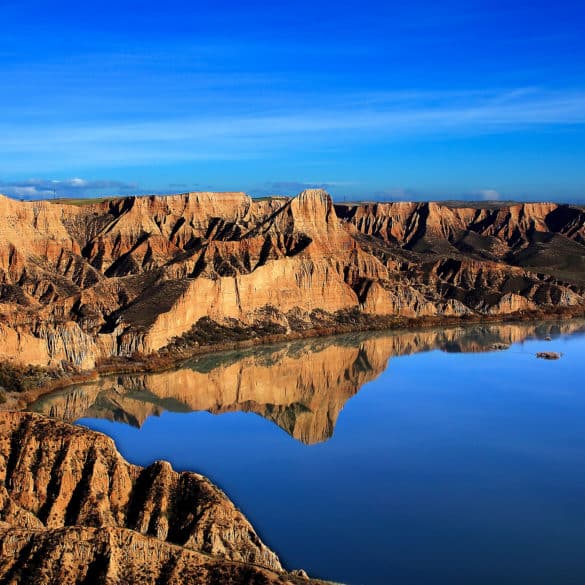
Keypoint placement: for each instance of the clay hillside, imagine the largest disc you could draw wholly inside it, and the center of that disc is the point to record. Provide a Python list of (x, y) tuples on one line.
[(73, 511), (81, 283)]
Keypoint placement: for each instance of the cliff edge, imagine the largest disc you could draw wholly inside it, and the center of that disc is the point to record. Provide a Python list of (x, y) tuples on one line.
[(80, 284), (73, 511)]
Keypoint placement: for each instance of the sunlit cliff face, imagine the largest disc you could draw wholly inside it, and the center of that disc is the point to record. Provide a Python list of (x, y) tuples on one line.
[(301, 387), (81, 283)]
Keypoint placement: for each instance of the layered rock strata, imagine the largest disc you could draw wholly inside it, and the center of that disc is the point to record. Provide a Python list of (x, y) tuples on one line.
[(84, 283), (73, 511)]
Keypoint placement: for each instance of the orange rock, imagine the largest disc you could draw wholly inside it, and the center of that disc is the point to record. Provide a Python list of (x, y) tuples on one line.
[(73, 511), (81, 283)]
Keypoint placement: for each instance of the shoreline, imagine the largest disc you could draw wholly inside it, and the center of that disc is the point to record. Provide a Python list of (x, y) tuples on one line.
[(175, 354)]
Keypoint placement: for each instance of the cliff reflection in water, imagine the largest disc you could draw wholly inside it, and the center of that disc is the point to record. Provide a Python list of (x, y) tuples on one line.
[(300, 386)]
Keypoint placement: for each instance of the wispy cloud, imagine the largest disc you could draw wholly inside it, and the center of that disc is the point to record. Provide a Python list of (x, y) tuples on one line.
[(75, 187), (343, 121), (488, 194)]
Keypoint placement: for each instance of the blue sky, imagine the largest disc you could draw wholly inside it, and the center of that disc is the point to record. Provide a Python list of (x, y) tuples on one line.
[(400, 100)]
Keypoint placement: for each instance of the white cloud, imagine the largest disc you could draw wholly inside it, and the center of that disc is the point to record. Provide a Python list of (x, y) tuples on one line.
[(77, 182), (27, 192), (76, 187), (489, 194)]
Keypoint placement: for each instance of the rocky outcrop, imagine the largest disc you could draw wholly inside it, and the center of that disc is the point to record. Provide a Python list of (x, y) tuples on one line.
[(56, 475), (73, 511), (302, 387), (116, 556), (84, 283)]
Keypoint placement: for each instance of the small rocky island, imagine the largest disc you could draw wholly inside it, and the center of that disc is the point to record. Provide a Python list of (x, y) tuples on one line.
[(548, 355)]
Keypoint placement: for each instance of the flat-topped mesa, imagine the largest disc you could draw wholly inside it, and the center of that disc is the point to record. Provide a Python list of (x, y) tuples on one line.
[(305, 224), (313, 214), (133, 274)]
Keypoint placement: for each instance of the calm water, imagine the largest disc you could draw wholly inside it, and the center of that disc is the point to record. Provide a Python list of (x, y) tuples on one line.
[(365, 466)]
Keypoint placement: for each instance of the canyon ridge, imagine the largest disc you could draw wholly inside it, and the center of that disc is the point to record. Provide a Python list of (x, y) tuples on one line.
[(138, 283), (84, 283), (73, 511)]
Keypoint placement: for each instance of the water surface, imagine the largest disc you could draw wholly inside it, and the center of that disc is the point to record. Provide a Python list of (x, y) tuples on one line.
[(417, 458)]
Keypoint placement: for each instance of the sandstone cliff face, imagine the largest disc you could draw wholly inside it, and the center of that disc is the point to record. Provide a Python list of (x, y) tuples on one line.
[(72, 510), (116, 556), (302, 387), (82, 283), (55, 475)]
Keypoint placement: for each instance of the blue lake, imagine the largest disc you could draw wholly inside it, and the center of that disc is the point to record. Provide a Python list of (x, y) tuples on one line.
[(421, 458)]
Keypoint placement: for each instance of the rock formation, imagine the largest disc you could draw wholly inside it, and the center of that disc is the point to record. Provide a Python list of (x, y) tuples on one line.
[(84, 283), (73, 511), (302, 386)]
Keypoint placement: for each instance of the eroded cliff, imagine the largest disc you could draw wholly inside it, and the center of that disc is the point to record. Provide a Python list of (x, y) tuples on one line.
[(73, 511), (84, 283)]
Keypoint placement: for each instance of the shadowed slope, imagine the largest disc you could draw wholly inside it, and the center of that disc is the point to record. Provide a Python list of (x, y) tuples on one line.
[(86, 283), (73, 511)]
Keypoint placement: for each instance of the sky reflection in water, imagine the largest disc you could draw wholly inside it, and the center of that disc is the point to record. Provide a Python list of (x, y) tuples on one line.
[(446, 468)]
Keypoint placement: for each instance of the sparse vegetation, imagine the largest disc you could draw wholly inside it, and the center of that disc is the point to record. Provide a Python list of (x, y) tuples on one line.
[(82, 200), (18, 378)]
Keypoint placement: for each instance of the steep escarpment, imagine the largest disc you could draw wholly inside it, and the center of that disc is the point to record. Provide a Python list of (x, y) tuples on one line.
[(73, 511), (484, 259), (79, 284)]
